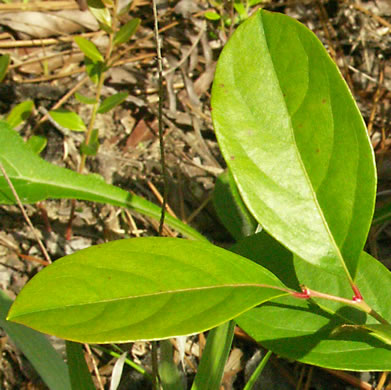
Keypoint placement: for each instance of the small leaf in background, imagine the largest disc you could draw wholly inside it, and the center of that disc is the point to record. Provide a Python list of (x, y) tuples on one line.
[(126, 31), (89, 49), (101, 13), (117, 372), (37, 143), (112, 101), (85, 99), (93, 69), (241, 10), (211, 15), (92, 148), (68, 119), (20, 113), (121, 291), (4, 63)]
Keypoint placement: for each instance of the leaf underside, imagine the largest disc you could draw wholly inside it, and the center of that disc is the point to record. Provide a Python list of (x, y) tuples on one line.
[(295, 141), (35, 179)]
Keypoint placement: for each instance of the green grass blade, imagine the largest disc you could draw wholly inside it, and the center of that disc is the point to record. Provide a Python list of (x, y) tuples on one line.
[(258, 371), (78, 369), (37, 349), (211, 368), (169, 374)]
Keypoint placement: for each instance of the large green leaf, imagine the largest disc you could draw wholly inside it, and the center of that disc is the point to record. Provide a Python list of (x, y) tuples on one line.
[(319, 332), (142, 288), (35, 179), (37, 349), (295, 141)]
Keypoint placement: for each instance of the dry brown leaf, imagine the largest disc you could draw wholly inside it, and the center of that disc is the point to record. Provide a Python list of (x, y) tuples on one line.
[(44, 25)]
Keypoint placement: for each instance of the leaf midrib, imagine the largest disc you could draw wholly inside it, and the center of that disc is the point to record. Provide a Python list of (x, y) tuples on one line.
[(157, 293), (301, 163)]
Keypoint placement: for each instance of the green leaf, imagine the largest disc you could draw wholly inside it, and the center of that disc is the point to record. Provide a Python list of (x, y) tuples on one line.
[(140, 289), (20, 113), (35, 179), (230, 208), (93, 69), (211, 368), (295, 141), (241, 10), (68, 119), (211, 15), (112, 101), (169, 374), (89, 49), (126, 31), (4, 63), (78, 369), (101, 13), (85, 99), (92, 148), (319, 332), (37, 143), (37, 349)]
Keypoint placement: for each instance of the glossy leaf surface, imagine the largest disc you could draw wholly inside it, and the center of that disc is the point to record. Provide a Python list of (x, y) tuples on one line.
[(35, 179), (319, 332), (142, 288), (295, 141), (68, 119)]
